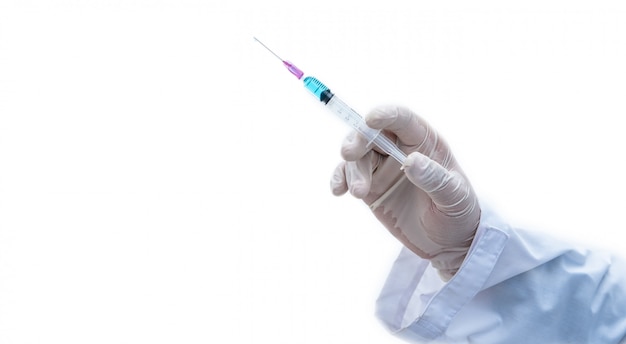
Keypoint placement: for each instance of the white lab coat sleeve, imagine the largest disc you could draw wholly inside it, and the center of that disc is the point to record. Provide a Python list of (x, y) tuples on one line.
[(514, 286)]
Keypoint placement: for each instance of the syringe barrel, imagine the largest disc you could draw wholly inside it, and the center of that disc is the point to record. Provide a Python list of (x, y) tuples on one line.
[(353, 119)]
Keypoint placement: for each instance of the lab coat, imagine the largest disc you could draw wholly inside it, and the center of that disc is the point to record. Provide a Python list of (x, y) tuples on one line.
[(514, 286)]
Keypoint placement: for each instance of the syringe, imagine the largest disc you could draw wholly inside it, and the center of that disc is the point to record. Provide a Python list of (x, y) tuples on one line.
[(343, 111)]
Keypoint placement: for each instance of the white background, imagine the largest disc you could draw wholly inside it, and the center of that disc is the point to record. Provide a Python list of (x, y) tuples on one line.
[(164, 180)]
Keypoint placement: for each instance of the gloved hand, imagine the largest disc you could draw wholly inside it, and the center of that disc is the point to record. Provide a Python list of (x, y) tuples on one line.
[(429, 205)]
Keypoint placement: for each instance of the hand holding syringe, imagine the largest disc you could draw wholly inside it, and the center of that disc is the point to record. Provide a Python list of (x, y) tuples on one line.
[(343, 111)]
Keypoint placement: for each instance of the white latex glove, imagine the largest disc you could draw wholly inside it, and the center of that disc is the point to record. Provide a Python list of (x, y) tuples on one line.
[(430, 205)]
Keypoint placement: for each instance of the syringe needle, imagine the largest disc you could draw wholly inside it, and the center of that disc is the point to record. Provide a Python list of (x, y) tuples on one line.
[(268, 49), (290, 66)]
